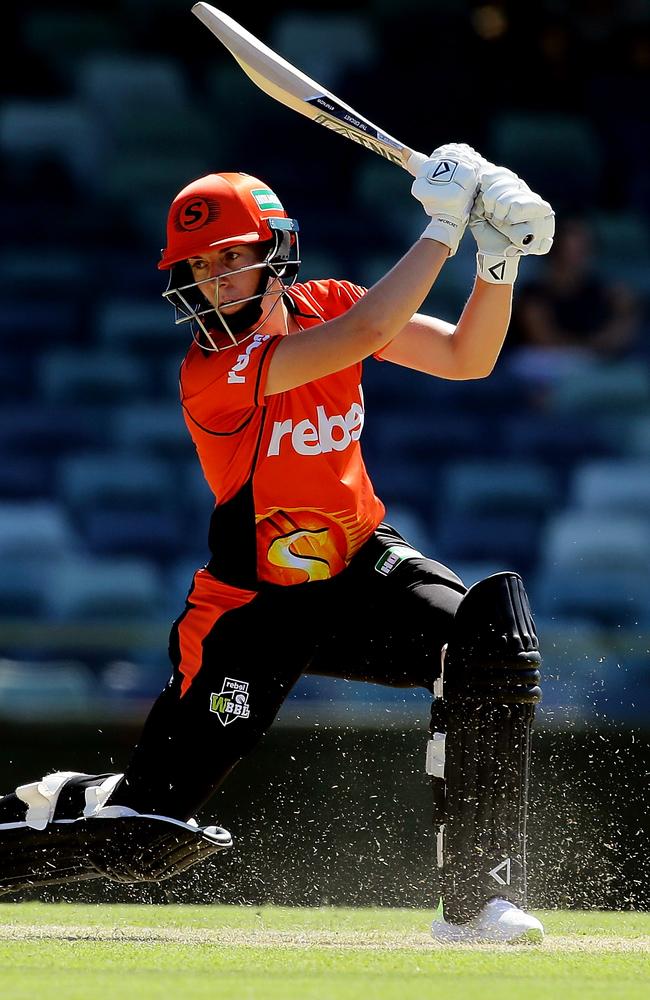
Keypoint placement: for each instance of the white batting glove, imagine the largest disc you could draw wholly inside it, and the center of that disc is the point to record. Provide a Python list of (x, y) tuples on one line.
[(511, 207), (509, 204), (497, 259), (446, 187)]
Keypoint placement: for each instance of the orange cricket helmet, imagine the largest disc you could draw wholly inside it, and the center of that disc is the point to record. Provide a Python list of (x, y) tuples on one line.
[(215, 212), (220, 210)]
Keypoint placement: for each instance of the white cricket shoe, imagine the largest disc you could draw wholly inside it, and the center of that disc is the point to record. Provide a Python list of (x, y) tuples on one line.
[(499, 921)]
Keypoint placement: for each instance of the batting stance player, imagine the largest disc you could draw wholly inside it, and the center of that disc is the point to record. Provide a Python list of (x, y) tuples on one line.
[(271, 394)]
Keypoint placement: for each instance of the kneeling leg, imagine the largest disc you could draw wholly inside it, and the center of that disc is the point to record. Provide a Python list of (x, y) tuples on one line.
[(60, 830)]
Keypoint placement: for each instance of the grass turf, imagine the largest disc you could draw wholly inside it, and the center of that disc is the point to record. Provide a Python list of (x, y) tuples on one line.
[(101, 952)]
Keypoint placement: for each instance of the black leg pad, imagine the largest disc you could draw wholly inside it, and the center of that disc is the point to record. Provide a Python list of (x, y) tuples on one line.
[(489, 691), (482, 825)]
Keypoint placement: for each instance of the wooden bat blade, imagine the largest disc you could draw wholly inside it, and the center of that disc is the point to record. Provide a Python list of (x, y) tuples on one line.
[(288, 85)]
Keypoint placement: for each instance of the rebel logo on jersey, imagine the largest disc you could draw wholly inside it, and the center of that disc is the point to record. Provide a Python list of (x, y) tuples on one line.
[(317, 437)]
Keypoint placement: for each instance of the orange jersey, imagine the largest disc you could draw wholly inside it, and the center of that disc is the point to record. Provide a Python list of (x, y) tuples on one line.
[(293, 499)]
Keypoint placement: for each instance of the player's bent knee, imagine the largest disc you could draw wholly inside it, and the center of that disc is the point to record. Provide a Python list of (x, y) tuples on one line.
[(493, 650)]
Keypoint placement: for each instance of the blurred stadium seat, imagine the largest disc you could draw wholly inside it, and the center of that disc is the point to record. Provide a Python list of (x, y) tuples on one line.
[(324, 45), (635, 438), (574, 650), (401, 482), (62, 131), (376, 182), (92, 377), (114, 84), (88, 481), (23, 478), (614, 230), (153, 133), (134, 677), (155, 429), (62, 272), (608, 388), (509, 540), (46, 690), (619, 486), (155, 534), (612, 598), (63, 37), (498, 486), (559, 442), (105, 590), (28, 324), (229, 92), (161, 177), (193, 494), (46, 432), (142, 326), (37, 528), (593, 539), (532, 144), (23, 586)]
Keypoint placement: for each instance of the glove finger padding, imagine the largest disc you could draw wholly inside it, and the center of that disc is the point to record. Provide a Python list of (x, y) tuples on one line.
[(460, 150), (521, 215), (533, 237)]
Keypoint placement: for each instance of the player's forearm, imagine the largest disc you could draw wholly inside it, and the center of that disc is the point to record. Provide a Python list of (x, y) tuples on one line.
[(467, 350), (365, 328), (481, 330)]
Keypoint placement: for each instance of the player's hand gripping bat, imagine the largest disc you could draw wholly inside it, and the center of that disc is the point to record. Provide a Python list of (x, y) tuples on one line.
[(282, 81)]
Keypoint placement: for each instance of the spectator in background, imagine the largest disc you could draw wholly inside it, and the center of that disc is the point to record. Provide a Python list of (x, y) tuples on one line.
[(572, 313)]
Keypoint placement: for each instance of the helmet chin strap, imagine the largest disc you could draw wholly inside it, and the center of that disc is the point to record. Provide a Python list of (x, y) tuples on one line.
[(247, 318), (249, 314)]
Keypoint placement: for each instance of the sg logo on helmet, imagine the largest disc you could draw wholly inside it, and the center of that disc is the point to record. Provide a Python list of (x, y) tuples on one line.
[(196, 213)]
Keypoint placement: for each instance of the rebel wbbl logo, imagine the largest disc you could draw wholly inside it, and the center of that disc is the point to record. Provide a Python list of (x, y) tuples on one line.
[(231, 702)]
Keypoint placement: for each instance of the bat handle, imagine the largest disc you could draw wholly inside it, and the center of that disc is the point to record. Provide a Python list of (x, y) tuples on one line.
[(411, 159)]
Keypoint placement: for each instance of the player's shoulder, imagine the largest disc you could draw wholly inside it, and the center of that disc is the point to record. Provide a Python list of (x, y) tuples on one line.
[(202, 368), (325, 296), (198, 360)]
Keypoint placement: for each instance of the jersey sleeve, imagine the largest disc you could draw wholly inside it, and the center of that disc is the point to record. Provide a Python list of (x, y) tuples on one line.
[(221, 392), (348, 293)]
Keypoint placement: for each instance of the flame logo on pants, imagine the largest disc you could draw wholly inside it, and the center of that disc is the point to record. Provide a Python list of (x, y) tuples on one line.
[(302, 546), (283, 552)]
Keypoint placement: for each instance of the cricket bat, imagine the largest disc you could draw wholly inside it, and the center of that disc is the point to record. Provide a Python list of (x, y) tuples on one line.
[(288, 85)]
